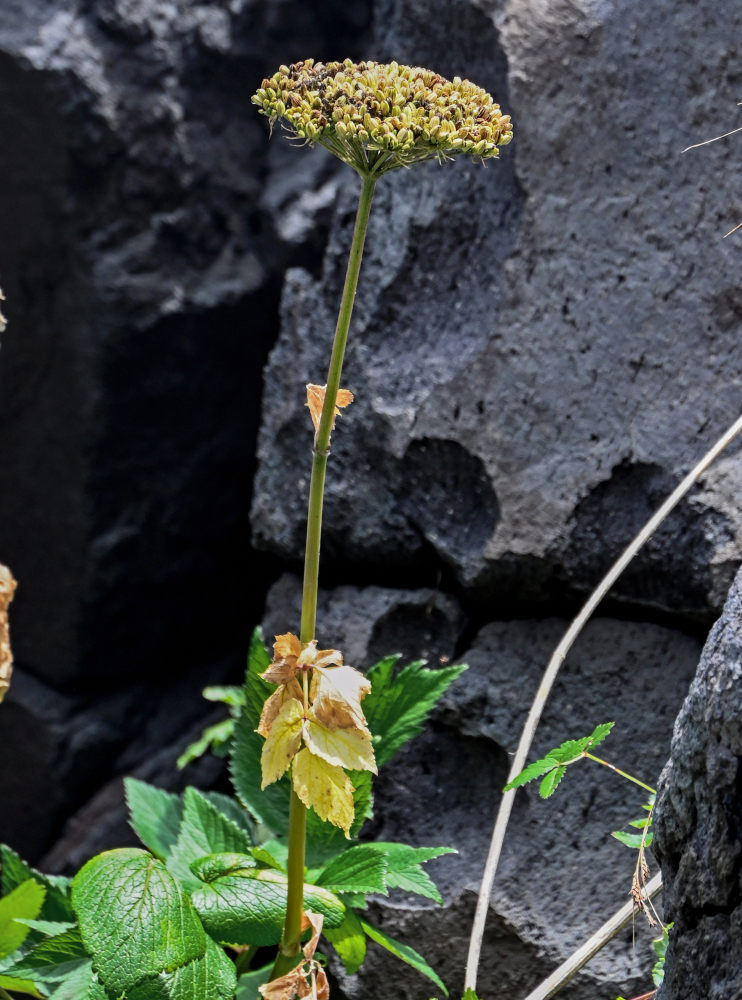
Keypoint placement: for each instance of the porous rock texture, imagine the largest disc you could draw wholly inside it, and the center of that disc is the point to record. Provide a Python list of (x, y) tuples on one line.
[(540, 349), (561, 874), (146, 224), (699, 823)]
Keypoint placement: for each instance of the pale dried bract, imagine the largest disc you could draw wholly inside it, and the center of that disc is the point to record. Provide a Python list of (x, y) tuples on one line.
[(379, 116), (7, 589)]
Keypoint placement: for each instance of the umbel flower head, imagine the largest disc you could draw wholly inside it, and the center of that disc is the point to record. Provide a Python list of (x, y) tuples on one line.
[(378, 116)]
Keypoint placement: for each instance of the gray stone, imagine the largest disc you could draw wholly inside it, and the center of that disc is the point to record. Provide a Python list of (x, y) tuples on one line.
[(141, 263), (59, 751), (561, 873), (540, 349), (371, 622), (699, 823)]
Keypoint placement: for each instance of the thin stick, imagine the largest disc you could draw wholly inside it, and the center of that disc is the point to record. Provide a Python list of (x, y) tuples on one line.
[(592, 946), (716, 138), (547, 682)]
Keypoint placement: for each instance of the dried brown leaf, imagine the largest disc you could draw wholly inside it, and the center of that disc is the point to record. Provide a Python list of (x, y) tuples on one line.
[(316, 400), (7, 589), (336, 694), (308, 979), (273, 705)]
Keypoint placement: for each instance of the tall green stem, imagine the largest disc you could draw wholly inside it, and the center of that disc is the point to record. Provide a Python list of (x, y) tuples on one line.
[(291, 940)]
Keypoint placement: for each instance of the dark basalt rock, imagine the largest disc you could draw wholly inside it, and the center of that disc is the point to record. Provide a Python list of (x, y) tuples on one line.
[(368, 623), (699, 823), (561, 872), (552, 330)]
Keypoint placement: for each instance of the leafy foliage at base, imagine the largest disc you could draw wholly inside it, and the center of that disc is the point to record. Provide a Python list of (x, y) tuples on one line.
[(157, 924)]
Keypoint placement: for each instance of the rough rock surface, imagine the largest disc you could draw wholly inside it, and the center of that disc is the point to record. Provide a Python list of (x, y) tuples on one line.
[(369, 623), (540, 348), (146, 225), (142, 274), (561, 873), (699, 823)]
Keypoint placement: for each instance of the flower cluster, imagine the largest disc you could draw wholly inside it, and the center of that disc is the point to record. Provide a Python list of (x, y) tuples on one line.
[(378, 116), (314, 724)]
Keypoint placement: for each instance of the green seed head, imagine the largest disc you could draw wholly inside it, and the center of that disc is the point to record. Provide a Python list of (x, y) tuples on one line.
[(378, 116)]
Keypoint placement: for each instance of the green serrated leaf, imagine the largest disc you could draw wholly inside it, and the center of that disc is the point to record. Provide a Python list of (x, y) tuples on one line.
[(632, 839), (403, 952), (470, 995), (96, 991), (532, 771), (19, 985), (404, 868), (248, 987), (599, 733), (248, 907), (565, 753), (215, 866), (550, 782), (49, 928), (397, 707), (226, 694), (203, 830), (135, 920), (14, 872), (349, 941), (75, 986), (154, 815), (660, 948), (232, 810), (358, 869), (264, 857), (212, 977), (258, 654), (24, 901), (54, 960), (216, 738), (641, 824), (569, 750)]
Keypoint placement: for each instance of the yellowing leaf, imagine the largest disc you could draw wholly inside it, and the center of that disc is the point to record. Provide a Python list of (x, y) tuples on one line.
[(336, 694), (282, 742), (316, 400), (349, 748), (275, 702), (325, 788), (7, 589)]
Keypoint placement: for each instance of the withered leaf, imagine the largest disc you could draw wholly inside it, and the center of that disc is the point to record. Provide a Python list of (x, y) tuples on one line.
[(325, 788), (7, 589), (287, 644), (349, 748), (282, 742), (336, 695), (274, 703), (316, 400)]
